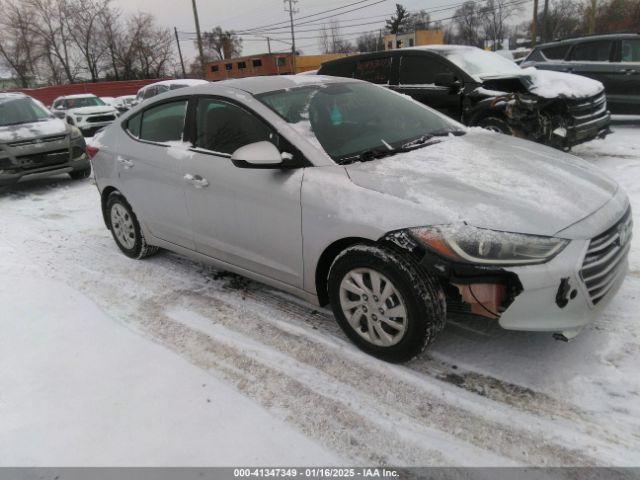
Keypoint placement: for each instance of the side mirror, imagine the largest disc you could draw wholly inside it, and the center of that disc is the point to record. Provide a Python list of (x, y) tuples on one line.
[(59, 114), (448, 80), (258, 155)]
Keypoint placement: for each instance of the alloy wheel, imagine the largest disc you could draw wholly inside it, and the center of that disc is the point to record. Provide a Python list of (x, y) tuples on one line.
[(122, 225)]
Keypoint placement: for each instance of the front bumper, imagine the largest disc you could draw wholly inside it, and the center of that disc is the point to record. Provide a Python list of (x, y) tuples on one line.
[(597, 128)]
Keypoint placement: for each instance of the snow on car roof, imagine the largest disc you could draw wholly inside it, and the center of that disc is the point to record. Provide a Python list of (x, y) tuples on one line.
[(257, 85), (5, 96), (441, 48), (180, 81), (78, 95)]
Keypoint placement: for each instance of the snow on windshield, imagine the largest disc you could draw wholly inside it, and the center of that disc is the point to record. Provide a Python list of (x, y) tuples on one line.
[(482, 64)]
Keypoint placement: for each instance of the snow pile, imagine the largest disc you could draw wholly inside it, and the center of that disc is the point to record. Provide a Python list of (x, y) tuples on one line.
[(550, 84)]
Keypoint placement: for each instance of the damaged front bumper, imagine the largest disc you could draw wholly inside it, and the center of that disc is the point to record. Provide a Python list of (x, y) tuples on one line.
[(560, 296)]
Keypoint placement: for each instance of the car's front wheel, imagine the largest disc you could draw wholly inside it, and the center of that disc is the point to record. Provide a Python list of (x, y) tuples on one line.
[(125, 228), (385, 303)]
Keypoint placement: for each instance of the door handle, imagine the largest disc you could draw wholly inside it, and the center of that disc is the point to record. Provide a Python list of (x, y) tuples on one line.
[(127, 164), (196, 180)]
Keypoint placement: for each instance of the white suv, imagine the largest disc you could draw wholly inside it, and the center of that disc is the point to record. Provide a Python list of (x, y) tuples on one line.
[(86, 111)]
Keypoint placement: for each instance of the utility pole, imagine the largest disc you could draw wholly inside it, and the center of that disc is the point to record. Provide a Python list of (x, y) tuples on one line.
[(592, 16), (291, 9), (200, 48), (184, 72), (269, 45), (534, 24), (545, 22)]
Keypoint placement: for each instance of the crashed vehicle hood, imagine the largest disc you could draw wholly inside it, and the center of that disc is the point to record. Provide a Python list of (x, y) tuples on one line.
[(28, 131), (546, 83), (492, 181), (92, 110)]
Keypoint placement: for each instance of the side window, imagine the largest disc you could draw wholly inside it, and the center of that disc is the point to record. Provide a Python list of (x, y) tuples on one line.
[(338, 69), (164, 123), (375, 70), (223, 127), (133, 125), (592, 51), (631, 50), (149, 92), (421, 70), (556, 53)]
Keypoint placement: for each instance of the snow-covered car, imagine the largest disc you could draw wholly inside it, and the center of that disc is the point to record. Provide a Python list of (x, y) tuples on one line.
[(124, 103), (485, 89), (85, 111), (344, 192), (35, 144), (153, 89)]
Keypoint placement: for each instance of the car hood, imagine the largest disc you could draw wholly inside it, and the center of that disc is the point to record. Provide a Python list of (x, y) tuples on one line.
[(27, 131), (92, 110), (490, 181)]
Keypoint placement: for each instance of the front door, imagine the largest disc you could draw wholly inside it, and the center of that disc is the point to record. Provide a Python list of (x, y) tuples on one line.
[(150, 170), (623, 92), (417, 79), (250, 218)]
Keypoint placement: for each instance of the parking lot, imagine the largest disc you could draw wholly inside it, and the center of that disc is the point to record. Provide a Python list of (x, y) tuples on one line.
[(105, 351)]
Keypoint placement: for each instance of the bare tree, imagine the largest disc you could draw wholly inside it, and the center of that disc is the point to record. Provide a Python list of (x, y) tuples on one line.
[(494, 16), (17, 49), (467, 20), (85, 28), (370, 42), (332, 41), (220, 44)]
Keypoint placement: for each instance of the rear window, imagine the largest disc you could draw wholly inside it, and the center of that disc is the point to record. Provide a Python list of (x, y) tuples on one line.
[(599, 51), (556, 53), (164, 123), (375, 70), (631, 50), (338, 69)]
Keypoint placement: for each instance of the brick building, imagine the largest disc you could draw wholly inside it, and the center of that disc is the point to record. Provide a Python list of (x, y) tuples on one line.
[(265, 64)]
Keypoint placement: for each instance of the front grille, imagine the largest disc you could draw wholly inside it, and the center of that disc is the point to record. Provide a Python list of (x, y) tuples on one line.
[(101, 118), (606, 258), (45, 159), (24, 143), (588, 110)]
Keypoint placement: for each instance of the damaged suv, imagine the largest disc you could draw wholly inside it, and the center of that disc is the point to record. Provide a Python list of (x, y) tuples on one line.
[(485, 89), (343, 192)]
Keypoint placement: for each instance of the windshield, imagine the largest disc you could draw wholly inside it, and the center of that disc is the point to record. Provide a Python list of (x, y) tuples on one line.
[(18, 110), (349, 119), (84, 102), (481, 63)]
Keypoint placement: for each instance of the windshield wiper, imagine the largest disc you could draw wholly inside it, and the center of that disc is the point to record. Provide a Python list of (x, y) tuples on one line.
[(423, 140), (367, 156)]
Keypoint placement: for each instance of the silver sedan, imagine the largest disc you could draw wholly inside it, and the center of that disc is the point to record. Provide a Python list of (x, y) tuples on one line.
[(348, 194)]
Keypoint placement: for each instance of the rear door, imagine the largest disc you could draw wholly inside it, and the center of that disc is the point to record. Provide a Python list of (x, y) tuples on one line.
[(150, 168), (593, 59), (623, 91), (250, 218), (417, 79)]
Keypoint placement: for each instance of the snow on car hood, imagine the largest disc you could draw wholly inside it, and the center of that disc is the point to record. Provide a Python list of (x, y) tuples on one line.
[(549, 84), (92, 110), (25, 131), (491, 181)]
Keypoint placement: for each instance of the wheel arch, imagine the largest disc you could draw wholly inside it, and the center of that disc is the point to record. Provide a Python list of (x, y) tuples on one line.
[(326, 260), (104, 196)]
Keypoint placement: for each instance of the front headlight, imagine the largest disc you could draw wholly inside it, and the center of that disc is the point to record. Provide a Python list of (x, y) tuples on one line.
[(75, 133), (477, 245)]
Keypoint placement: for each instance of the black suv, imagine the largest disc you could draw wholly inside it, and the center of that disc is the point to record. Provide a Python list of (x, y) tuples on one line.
[(613, 59), (483, 88)]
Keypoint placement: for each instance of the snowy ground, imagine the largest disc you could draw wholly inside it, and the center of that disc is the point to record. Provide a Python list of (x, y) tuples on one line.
[(109, 361)]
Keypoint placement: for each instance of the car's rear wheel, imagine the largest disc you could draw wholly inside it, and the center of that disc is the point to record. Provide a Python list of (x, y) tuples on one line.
[(125, 228), (80, 174), (496, 124), (385, 303)]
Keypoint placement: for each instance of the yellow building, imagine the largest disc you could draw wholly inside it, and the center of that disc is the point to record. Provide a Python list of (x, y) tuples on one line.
[(413, 39)]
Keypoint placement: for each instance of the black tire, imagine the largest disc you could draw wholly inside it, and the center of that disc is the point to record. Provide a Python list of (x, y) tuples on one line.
[(422, 295), (496, 124), (80, 174), (140, 248)]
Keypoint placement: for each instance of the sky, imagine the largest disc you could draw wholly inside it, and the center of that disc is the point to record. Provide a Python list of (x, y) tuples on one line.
[(244, 14)]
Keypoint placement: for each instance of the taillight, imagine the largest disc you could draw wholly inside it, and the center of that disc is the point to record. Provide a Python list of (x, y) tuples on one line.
[(92, 151)]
